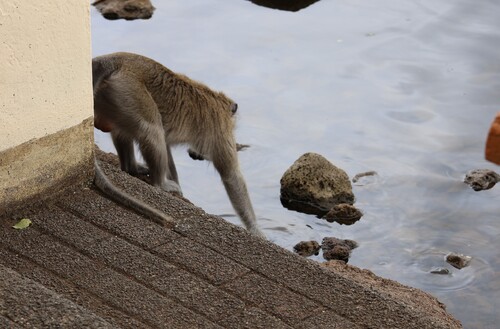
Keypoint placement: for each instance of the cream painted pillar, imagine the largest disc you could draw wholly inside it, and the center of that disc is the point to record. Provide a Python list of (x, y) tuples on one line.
[(46, 135)]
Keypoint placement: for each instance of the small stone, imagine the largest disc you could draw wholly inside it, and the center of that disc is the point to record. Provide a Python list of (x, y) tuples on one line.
[(458, 260), (330, 242), (351, 243), (343, 214), (337, 249), (481, 179), (442, 271), (307, 248), (338, 252)]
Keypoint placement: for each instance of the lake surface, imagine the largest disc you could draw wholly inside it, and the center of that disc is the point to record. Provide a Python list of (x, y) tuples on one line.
[(405, 88)]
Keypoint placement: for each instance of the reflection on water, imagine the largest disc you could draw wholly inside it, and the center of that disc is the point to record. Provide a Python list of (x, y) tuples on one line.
[(290, 5), (404, 88)]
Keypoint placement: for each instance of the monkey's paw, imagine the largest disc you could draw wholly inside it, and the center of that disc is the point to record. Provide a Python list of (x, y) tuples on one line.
[(255, 231), (171, 187), (139, 170), (142, 170)]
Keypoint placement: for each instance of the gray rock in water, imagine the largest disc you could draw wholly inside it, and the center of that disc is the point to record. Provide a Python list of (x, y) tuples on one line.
[(481, 179), (441, 271), (458, 260), (126, 9), (344, 214), (307, 248), (338, 252), (337, 249), (313, 185)]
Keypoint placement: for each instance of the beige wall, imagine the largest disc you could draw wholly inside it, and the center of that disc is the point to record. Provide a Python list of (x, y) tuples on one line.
[(45, 89), (44, 72)]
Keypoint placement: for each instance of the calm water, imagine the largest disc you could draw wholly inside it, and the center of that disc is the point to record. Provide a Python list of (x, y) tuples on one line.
[(405, 88)]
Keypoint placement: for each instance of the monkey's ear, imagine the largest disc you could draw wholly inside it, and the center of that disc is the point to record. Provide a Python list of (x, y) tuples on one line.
[(234, 108)]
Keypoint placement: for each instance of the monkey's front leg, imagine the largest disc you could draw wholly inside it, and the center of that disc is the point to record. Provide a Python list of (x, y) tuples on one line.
[(226, 164)]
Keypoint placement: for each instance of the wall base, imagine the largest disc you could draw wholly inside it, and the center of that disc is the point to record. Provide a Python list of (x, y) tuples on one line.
[(35, 170)]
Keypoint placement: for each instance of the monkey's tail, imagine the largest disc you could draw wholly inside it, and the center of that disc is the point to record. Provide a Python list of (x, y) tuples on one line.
[(127, 200)]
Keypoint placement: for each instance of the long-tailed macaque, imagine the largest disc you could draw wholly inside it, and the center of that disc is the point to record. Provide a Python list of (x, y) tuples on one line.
[(140, 100)]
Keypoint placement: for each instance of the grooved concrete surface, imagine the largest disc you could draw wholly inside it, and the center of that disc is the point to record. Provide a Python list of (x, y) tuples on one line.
[(86, 262)]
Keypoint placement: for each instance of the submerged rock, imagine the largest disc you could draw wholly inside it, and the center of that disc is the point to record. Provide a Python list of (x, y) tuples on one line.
[(343, 214), (307, 248), (313, 185), (338, 252), (441, 271), (337, 249), (458, 260), (126, 9), (481, 179)]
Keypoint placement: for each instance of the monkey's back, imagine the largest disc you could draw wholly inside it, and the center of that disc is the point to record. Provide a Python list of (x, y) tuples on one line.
[(187, 107)]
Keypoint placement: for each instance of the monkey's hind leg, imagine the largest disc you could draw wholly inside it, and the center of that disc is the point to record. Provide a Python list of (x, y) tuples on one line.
[(125, 148), (172, 170), (136, 118), (158, 157)]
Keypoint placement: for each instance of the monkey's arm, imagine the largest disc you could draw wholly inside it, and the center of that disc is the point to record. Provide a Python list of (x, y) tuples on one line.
[(119, 196)]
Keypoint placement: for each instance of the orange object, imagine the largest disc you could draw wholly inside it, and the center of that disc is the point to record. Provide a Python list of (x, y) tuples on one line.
[(492, 151)]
